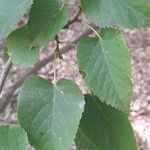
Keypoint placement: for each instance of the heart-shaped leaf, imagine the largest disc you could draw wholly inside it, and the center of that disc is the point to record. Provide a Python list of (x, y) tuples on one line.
[(50, 113), (104, 128), (106, 65)]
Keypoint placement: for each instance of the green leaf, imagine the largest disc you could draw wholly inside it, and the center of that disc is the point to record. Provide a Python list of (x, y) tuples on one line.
[(20, 50), (13, 139), (50, 113), (118, 13), (103, 127), (106, 66), (47, 18), (11, 12)]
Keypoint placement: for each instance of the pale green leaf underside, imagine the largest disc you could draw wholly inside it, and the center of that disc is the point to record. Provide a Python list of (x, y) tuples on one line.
[(106, 66), (50, 113), (119, 13), (11, 12), (13, 139), (104, 128), (46, 19)]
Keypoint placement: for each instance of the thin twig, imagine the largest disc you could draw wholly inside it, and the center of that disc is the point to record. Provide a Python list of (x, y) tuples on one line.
[(57, 50), (5, 73), (75, 19), (6, 98)]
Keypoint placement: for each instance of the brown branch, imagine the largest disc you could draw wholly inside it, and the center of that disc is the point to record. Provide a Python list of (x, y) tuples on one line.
[(6, 98), (5, 73)]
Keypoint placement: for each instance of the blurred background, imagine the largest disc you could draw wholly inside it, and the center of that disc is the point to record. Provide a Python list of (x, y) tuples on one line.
[(138, 43)]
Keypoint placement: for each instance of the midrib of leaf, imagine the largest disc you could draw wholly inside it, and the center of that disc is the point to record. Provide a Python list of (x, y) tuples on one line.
[(8, 138), (53, 108), (108, 68), (57, 89), (97, 120), (107, 119), (18, 143), (51, 115), (87, 138)]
